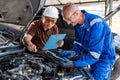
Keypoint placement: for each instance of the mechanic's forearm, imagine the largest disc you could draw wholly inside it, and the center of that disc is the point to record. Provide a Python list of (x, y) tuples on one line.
[(85, 60), (27, 41)]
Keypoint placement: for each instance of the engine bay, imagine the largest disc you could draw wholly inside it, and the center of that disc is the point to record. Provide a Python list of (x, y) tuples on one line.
[(19, 64)]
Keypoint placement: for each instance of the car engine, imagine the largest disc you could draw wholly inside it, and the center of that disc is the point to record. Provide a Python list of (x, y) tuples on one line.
[(16, 63)]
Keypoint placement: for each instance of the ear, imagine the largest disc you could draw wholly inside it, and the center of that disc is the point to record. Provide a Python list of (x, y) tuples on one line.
[(43, 19), (42, 16)]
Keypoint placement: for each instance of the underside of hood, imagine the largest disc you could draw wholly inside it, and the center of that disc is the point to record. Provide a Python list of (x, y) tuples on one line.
[(15, 15)]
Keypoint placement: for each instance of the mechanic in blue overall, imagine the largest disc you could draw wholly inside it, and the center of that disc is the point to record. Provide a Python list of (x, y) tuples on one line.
[(93, 35)]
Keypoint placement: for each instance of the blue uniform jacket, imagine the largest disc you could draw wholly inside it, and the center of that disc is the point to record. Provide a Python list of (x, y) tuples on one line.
[(94, 36)]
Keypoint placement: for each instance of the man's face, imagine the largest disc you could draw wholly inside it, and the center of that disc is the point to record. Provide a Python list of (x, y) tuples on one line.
[(48, 22), (70, 17)]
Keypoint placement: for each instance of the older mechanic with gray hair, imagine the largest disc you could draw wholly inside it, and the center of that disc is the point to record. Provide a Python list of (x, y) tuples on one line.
[(40, 30)]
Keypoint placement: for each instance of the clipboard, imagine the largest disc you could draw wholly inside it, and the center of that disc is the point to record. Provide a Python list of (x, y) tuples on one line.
[(52, 41)]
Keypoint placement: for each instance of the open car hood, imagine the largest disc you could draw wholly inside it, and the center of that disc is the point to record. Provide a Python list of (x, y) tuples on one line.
[(16, 15)]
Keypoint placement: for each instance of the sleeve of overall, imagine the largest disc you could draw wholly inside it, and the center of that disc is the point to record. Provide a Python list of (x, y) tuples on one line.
[(95, 45), (76, 47)]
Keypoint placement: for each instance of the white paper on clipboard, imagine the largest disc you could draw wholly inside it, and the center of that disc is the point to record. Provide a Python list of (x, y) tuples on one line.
[(52, 41)]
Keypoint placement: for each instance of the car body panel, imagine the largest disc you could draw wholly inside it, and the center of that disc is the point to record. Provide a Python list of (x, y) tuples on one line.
[(16, 15)]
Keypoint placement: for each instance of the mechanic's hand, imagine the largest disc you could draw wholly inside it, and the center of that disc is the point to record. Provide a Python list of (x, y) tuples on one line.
[(67, 54), (67, 63), (60, 43), (32, 48)]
